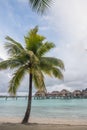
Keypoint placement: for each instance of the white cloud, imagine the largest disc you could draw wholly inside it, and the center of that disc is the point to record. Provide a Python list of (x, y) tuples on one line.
[(3, 53), (58, 88), (69, 20), (4, 81)]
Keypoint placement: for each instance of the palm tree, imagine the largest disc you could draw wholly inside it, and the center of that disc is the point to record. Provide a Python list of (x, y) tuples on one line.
[(40, 6), (30, 59)]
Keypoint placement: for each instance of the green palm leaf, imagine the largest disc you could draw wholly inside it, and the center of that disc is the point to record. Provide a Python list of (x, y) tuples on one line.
[(53, 62), (38, 78), (13, 47), (40, 6), (15, 62), (32, 38), (57, 73), (16, 80), (52, 68), (46, 47)]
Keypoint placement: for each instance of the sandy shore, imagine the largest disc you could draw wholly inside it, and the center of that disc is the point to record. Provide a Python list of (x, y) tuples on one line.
[(45, 121), (10, 126), (42, 124)]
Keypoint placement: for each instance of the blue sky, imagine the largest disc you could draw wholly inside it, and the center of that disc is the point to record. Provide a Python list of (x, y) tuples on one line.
[(17, 18), (65, 24)]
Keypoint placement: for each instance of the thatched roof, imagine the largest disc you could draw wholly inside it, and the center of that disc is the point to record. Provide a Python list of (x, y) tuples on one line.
[(55, 92), (84, 93), (77, 92), (65, 92), (40, 93)]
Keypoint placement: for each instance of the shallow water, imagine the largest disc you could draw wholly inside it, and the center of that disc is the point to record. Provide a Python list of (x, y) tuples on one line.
[(50, 108)]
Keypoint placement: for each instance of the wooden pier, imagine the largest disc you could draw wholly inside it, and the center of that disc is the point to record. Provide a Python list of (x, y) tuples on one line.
[(14, 97), (63, 94)]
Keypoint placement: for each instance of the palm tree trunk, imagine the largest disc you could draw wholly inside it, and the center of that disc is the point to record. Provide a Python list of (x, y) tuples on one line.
[(28, 110)]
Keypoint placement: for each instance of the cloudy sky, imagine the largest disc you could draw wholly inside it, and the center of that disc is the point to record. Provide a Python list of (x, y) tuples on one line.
[(65, 24)]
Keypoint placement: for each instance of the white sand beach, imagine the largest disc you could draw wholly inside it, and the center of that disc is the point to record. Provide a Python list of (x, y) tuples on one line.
[(42, 124), (45, 121), (40, 127)]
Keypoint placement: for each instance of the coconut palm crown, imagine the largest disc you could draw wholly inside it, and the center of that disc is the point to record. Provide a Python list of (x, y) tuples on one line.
[(40, 6), (31, 59)]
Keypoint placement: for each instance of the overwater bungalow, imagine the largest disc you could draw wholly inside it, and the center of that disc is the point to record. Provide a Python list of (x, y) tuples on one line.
[(62, 94), (65, 93), (48, 95), (77, 94), (40, 95), (84, 93), (55, 94)]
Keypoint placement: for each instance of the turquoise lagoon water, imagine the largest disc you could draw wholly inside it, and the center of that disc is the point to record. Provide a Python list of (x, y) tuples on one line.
[(50, 108)]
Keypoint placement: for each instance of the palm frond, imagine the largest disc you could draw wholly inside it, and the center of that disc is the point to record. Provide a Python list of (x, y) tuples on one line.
[(33, 40), (4, 65), (13, 47), (46, 47), (40, 6), (33, 31), (45, 67), (57, 73), (53, 62), (38, 79), (16, 80), (15, 61), (51, 66), (10, 63), (33, 58)]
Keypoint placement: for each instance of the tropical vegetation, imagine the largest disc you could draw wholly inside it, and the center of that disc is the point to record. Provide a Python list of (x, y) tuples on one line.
[(30, 59), (40, 6)]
